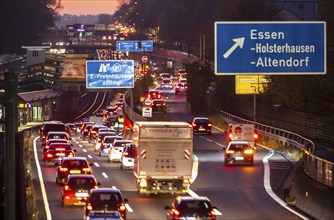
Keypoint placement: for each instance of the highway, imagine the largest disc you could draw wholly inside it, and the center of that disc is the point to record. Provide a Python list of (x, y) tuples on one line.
[(239, 192)]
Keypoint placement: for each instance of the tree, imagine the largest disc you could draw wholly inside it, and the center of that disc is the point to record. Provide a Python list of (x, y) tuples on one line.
[(25, 23)]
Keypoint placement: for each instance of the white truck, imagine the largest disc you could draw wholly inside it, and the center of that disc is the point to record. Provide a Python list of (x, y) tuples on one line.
[(243, 132), (164, 157)]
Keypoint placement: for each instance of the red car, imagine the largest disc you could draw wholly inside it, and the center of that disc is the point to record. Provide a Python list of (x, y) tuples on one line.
[(77, 189), (154, 95), (56, 152)]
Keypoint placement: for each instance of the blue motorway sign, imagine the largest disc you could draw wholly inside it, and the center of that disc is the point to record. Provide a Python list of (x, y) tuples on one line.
[(270, 48), (146, 45), (102, 74)]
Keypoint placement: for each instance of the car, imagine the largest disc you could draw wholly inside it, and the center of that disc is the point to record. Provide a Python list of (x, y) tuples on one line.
[(181, 88), (57, 151), (202, 125), (239, 152), (166, 81), (85, 129), (188, 207), (116, 149), (128, 155), (77, 189), (72, 165), (154, 94), (72, 128), (51, 126), (159, 105), (163, 76), (57, 135), (100, 137), (106, 199), (93, 132), (106, 143), (51, 141)]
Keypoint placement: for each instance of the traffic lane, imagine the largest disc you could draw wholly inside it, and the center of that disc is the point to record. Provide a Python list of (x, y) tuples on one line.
[(53, 191), (236, 188), (110, 175), (215, 141)]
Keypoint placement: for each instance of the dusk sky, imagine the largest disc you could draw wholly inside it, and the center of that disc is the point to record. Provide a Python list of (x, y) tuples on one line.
[(84, 7)]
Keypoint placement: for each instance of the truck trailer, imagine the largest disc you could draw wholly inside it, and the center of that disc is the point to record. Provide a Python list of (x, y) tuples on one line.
[(164, 157)]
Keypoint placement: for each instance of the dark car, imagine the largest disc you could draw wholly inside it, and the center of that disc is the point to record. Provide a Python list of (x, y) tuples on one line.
[(202, 125), (154, 94), (56, 152), (93, 132), (187, 207), (72, 165), (52, 141), (77, 189), (239, 152), (86, 129), (159, 105), (181, 88), (106, 199), (51, 126)]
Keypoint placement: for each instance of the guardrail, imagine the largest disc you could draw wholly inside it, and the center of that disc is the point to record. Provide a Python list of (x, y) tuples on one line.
[(317, 168)]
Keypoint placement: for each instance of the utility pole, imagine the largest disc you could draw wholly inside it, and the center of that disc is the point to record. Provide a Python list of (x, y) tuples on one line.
[(11, 128)]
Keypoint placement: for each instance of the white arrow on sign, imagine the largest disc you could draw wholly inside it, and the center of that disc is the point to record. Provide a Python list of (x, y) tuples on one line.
[(238, 42)]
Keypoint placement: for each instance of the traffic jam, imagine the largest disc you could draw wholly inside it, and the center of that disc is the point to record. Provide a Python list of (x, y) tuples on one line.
[(159, 154)]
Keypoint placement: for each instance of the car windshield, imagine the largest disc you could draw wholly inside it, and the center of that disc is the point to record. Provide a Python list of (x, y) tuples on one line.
[(73, 164), (238, 146), (81, 183), (195, 205), (201, 121), (106, 200)]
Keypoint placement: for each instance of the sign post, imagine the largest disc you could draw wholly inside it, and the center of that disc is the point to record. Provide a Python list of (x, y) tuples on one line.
[(270, 48)]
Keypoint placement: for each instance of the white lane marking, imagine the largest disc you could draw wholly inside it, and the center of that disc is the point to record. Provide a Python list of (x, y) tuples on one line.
[(96, 164), (205, 138), (41, 181), (80, 145), (89, 156), (127, 206), (266, 183), (84, 150), (219, 144), (104, 175)]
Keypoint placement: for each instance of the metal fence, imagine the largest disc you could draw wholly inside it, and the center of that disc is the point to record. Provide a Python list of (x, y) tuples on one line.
[(317, 168)]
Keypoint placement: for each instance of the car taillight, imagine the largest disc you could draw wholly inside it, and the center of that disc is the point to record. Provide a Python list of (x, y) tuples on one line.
[(176, 213), (89, 207), (63, 169), (256, 136), (230, 135), (86, 169), (213, 214), (249, 151), (187, 181), (71, 154), (230, 151), (193, 124), (96, 187), (159, 96), (209, 124), (67, 188), (122, 208), (49, 155), (126, 154), (46, 147)]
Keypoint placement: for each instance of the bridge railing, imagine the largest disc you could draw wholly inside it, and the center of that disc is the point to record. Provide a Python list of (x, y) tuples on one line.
[(317, 168)]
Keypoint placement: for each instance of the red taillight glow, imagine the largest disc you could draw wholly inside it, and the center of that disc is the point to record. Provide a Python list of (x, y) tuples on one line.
[(86, 169), (89, 207), (49, 155), (125, 154), (122, 208), (187, 181), (67, 188), (194, 125), (230, 151), (213, 213), (71, 155), (230, 135), (63, 169), (256, 136), (176, 213), (249, 151), (209, 124)]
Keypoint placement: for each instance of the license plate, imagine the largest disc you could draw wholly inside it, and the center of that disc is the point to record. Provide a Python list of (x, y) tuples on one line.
[(239, 158), (201, 129), (75, 171), (60, 154)]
